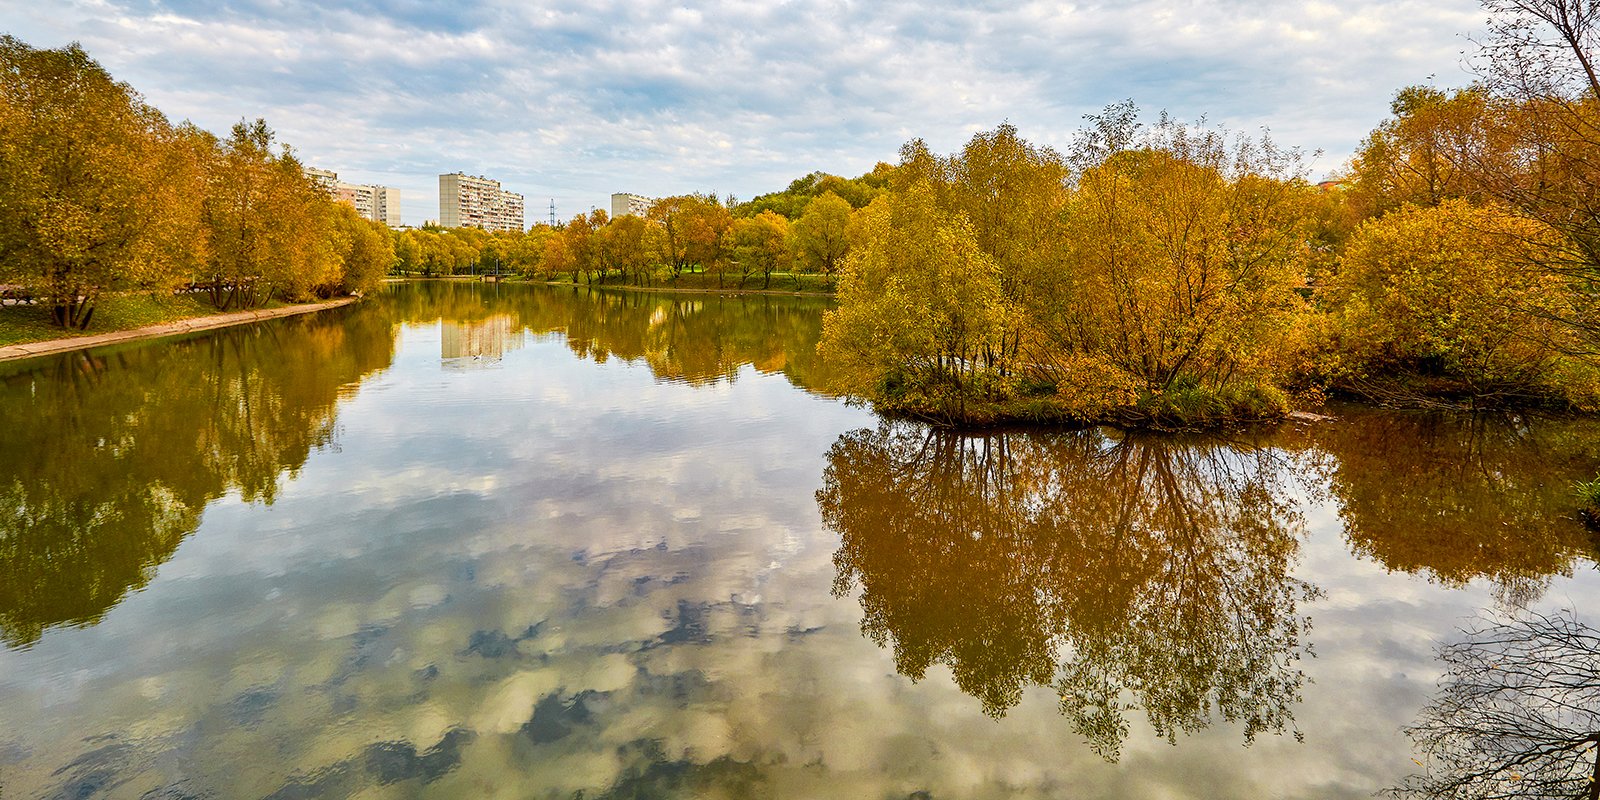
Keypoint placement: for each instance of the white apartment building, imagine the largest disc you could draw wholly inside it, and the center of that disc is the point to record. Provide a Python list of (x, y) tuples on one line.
[(623, 204), (377, 203), (476, 201), (322, 177), (386, 205)]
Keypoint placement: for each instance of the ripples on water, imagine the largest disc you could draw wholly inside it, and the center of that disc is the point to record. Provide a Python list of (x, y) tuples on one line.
[(535, 542)]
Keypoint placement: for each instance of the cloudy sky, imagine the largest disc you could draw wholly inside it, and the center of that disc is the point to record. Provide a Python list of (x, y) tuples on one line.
[(569, 101)]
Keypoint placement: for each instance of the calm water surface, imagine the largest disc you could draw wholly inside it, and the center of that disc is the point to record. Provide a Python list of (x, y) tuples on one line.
[(468, 541)]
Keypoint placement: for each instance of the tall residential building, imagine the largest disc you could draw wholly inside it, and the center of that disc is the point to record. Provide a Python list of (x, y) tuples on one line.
[(623, 204), (377, 203), (476, 201), (322, 177), (386, 205)]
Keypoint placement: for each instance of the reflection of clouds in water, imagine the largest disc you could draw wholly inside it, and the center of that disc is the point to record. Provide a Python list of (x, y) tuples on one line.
[(558, 576)]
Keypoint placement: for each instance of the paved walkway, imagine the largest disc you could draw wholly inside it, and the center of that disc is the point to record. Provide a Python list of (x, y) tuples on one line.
[(191, 325)]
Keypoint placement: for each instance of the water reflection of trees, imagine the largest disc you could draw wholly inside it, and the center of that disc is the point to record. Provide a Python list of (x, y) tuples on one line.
[(1117, 568), (108, 461), (693, 338), (1517, 713), (1460, 497)]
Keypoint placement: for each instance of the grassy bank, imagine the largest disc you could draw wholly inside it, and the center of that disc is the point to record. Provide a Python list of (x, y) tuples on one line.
[(22, 324), (1177, 409)]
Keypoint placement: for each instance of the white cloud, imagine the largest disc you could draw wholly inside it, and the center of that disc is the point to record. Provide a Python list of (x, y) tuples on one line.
[(576, 100)]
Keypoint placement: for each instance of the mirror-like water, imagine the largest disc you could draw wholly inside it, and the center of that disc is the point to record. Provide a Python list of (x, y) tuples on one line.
[(469, 540)]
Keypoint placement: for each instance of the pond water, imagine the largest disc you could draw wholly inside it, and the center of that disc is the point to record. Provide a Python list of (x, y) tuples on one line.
[(510, 541)]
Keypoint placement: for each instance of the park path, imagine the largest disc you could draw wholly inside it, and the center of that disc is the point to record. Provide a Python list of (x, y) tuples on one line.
[(193, 324)]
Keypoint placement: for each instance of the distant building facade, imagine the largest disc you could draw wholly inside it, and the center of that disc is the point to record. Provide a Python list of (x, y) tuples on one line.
[(479, 202), (386, 205), (624, 204), (323, 178), (377, 203)]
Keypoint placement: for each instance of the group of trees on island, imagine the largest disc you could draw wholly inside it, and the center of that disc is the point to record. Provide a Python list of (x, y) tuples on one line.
[(1172, 274), (100, 193)]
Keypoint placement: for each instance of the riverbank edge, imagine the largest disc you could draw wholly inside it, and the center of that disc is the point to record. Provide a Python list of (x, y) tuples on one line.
[(684, 290), (629, 288), (18, 352)]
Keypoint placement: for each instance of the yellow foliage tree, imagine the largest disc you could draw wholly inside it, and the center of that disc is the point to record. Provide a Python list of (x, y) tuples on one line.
[(1448, 300), (820, 240), (269, 230), (760, 244), (364, 250), (97, 190), (921, 313), (1180, 275)]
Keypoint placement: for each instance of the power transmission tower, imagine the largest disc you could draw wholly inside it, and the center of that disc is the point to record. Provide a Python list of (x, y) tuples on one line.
[(552, 212)]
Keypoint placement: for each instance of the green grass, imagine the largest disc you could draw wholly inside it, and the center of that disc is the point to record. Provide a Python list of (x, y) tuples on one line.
[(1589, 493), (31, 323)]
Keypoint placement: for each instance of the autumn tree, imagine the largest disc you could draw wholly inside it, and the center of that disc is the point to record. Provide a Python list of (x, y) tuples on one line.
[(1542, 48), (704, 225), (791, 202), (627, 247), (364, 251), (921, 316), (760, 244), (1435, 147), (1154, 284), (669, 216), (268, 230), (527, 250), (557, 258), (819, 235), (1443, 301), (1182, 256), (1539, 64), (97, 190)]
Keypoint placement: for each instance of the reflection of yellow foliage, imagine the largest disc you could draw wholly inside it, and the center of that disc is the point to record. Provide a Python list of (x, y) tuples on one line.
[(1117, 568), (1461, 498), (693, 339), (119, 459)]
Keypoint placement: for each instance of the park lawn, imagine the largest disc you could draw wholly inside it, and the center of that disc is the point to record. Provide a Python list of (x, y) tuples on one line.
[(20, 324)]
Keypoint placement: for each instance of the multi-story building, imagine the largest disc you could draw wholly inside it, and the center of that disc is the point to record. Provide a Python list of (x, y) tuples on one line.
[(476, 201), (322, 177), (386, 205), (623, 204), (377, 203)]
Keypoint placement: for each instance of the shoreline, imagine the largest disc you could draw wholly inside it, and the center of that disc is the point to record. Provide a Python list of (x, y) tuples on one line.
[(730, 290), (685, 289), (18, 352)]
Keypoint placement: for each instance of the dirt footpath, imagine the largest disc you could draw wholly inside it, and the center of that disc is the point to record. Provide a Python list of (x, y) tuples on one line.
[(31, 349)]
